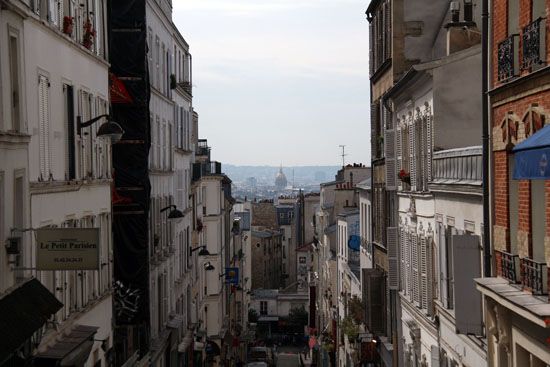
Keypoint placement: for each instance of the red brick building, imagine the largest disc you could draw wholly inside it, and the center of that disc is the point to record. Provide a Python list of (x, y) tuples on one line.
[(517, 306)]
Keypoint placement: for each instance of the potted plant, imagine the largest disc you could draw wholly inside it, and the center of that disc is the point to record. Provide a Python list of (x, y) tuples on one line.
[(89, 34), (68, 25), (405, 176), (173, 82)]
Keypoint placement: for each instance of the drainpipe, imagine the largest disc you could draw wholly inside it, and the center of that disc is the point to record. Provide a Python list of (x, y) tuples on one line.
[(485, 136)]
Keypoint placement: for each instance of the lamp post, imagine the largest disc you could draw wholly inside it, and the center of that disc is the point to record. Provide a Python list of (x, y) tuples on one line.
[(174, 214), (109, 129), (203, 251), (208, 266)]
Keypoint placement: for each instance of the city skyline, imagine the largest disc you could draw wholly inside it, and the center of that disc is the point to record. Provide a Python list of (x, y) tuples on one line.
[(247, 54)]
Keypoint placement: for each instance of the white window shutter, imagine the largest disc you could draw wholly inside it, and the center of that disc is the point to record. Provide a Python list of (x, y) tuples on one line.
[(408, 254), (415, 269), (423, 274), (393, 258), (443, 294), (412, 153), (434, 356), (398, 153), (42, 126), (430, 309), (429, 145), (467, 265), (403, 266), (389, 141)]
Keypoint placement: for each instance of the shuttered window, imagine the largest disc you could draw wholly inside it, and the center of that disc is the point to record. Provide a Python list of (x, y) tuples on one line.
[(403, 268), (68, 111), (380, 30), (467, 265), (415, 266), (44, 126), (393, 258), (389, 146), (412, 151), (374, 289)]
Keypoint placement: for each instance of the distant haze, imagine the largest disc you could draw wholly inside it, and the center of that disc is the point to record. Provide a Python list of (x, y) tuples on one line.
[(265, 175)]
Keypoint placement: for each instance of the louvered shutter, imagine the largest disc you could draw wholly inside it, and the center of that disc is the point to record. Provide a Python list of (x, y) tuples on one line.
[(430, 309), (388, 30), (375, 293), (393, 258), (408, 258), (423, 274), (412, 155), (398, 154), (429, 146), (371, 48), (374, 110), (44, 126), (415, 269), (403, 268), (389, 145), (443, 279), (467, 265), (434, 356)]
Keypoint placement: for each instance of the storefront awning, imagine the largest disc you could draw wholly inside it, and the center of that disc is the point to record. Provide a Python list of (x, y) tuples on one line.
[(72, 349), (24, 311), (531, 157)]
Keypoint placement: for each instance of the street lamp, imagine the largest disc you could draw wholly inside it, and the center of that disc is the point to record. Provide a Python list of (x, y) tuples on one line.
[(203, 251), (109, 129), (208, 266), (174, 214)]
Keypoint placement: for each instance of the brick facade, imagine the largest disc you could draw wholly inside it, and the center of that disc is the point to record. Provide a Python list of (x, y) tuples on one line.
[(512, 105)]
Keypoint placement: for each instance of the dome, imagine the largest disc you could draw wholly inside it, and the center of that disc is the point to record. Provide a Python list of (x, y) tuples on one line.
[(280, 180)]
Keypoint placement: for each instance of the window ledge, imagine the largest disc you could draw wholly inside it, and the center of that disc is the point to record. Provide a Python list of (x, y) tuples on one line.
[(14, 137), (64, 186)]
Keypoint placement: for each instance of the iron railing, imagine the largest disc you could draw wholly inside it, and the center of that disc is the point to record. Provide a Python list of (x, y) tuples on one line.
[(533, 43), (534, 275), (509, 264), (508, 58)]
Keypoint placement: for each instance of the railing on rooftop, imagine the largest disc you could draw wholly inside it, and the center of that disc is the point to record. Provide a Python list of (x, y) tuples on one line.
[(463, 166), (508, 58), (508, 266), (534, 276), (202, 147), (204, 169), (533, 40)]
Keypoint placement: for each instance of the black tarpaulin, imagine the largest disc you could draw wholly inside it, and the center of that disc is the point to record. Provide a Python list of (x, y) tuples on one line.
[(24, 311)]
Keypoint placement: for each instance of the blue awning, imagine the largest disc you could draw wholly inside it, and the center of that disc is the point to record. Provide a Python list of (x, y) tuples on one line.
[(531, 157)]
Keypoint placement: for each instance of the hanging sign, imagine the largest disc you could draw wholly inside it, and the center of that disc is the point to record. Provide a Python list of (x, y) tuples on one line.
[(67, 249)]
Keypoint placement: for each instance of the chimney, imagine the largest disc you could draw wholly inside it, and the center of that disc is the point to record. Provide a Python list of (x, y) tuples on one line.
[(461, 35)]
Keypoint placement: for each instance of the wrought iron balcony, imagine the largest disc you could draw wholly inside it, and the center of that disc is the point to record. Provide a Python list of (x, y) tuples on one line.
[(533, 40), (509, 264), (508, 58), (534, 275)]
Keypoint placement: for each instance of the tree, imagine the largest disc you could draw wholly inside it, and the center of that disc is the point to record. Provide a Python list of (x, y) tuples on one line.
[(252, 315), (297, 319), (356, 309)]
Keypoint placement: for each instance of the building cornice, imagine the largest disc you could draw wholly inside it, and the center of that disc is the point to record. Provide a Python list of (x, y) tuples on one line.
[(52, 187)]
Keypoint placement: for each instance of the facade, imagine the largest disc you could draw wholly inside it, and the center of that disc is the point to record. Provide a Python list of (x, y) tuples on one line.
[(267, 255), (49, 78), (517, 309)]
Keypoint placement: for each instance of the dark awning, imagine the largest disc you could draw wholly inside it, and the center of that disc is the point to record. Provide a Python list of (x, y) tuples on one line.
[(532, 155), (72, 349), (24, 310)]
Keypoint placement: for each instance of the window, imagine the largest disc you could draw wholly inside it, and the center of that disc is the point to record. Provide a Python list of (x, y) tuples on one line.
[(157, 62), (44, 126), (538, 219), (513, 17), (19, 216), (15, 81), (513, 205), (263, 307), (380, 36), (70, 149)]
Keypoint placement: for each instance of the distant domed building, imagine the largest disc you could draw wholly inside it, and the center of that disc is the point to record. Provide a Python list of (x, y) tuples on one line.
[(280, 180)]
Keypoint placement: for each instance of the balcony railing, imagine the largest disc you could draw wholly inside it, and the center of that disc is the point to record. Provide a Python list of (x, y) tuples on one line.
[(508, 58), (533, 40), (534, 276), (509, 265), (204, 169)]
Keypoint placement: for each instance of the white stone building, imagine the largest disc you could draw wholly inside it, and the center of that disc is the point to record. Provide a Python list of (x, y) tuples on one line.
[(57, 175), (438, 177)]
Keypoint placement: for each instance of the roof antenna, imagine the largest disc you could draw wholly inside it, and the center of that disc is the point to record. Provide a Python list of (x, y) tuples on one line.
[(343, 155)]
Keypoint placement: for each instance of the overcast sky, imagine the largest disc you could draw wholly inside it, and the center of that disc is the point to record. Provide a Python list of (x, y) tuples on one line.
[(279, 81)]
